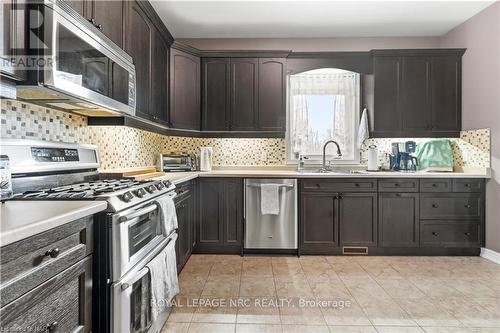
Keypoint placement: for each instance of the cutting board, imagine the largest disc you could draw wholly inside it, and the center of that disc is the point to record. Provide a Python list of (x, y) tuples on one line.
[(137, 173)]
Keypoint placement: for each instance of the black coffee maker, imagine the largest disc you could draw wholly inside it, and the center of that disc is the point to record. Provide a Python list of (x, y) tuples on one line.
[(402, 158)]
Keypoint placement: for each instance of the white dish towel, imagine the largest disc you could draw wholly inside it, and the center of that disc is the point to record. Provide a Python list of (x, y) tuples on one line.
[(168, 214), (269, 199), (364, 130), (164, 280)]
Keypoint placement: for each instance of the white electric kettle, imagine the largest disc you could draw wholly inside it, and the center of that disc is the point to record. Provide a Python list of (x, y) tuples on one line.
[(206, 158)]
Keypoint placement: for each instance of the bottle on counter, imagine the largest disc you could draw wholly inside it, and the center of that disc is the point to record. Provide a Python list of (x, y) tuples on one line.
[(5, 178), (301, 165)]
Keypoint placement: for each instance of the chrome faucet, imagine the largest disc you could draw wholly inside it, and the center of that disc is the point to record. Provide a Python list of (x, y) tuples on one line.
[(339, 153)]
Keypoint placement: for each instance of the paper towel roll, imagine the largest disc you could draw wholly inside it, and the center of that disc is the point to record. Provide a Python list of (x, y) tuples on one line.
[(372, 158)]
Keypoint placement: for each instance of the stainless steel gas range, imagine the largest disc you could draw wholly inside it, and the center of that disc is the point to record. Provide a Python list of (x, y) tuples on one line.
[(127, 236)]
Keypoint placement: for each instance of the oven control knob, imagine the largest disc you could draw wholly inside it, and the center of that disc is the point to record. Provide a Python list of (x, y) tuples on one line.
[(127, 196), (160, 185), (167, 183), (150, 188), (140, 192)]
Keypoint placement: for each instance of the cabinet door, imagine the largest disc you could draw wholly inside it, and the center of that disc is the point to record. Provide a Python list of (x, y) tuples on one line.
[(137, 39), (415, 94), (319, 223), (210, 221), (387, 118), (398, 220), (109, 15), (184, 218), (215, 94), (184, 90), (272, 90), (446, 93), (13, 17), (79, 6), (233, 211), (61, 304), (159, 79), (358, 219), (244, 89)]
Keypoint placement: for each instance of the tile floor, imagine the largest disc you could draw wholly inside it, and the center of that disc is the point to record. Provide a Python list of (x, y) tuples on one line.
[(337, 294)]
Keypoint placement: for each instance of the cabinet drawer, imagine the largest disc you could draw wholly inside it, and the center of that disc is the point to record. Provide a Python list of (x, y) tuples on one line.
[(450, 234), (435, 185), (451, 206), (61, 304), (340, 185), (468, 185), (32, 261), (398, 185)]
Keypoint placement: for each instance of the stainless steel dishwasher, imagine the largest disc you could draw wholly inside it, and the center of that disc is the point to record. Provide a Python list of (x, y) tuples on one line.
[(271, 231)]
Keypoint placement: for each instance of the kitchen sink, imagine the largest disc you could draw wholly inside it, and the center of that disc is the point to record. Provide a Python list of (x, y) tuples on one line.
[(338, 171)]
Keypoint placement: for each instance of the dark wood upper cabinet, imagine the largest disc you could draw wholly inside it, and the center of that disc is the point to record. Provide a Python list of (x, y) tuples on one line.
[(358, 219), (12, 36), (244, 94), (387, 118), (108, 15), (137, 43), (80, 6), (159, 79), (319, 223), (184, 90), (417, 93), (105, 15), (272, 93), (446, 92), (215, 94), (398, 220), (244, 90)]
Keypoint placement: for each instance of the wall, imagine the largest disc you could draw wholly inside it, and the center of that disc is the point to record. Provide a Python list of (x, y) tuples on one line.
[(313, 44), (481, 97)]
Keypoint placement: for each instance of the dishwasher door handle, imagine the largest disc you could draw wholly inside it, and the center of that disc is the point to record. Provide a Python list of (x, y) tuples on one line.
[(279, 185)]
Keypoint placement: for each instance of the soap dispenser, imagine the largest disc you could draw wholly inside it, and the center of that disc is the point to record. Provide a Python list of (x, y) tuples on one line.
[(301, 164)]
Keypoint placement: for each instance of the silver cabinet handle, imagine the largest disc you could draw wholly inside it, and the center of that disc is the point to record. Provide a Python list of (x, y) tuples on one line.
[(139, 212)]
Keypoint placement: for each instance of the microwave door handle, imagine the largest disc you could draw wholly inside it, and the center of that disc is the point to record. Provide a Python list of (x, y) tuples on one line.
[(129, 282), (139, 212)]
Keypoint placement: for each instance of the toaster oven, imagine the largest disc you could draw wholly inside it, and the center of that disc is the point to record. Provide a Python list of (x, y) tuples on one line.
[(176, 162)]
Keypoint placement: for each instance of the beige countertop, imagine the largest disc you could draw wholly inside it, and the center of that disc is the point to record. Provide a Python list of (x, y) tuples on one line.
[(22, 219), (179, 177)]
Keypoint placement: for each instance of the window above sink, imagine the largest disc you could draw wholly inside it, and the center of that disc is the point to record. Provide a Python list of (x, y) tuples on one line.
[(323, 104)]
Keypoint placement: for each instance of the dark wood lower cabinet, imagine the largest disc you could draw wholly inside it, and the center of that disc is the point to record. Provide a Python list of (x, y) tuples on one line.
[(185, 209), (61, 304), (358, 219), (319, 225), (220, 219), (398, 218)]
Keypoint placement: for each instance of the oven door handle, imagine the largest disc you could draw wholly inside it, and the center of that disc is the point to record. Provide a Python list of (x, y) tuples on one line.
[(129, 282), (125, 284), (139, 212)]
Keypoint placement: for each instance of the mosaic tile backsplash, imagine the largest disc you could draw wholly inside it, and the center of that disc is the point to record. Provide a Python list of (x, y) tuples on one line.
[(123, 147), (471, 149)]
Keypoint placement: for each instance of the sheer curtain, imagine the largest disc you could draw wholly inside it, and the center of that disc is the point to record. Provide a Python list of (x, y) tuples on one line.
[(342, 86)]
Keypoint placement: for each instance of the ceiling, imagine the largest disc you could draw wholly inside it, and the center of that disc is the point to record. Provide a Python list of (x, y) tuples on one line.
[(294, 19)]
